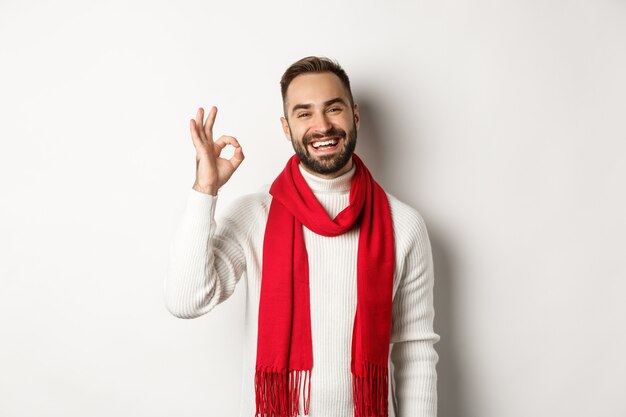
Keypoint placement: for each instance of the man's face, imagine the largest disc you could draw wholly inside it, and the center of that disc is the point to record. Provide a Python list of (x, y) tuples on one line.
[(320, 123)]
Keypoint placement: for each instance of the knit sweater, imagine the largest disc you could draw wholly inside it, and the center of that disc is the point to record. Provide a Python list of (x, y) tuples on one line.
[(208, 258)]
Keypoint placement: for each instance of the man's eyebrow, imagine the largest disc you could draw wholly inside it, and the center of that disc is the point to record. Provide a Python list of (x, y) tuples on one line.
[(326, 104), (335, 100), (300, 106)]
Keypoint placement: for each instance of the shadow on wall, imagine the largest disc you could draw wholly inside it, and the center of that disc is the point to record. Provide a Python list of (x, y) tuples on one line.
[(448, 370), (372, 150), (369, 140)]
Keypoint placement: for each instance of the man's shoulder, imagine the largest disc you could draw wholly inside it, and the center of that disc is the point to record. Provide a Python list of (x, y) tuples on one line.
[(406, 219)]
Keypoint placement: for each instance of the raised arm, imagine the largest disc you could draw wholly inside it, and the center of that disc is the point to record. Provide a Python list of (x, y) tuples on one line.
[(205, 264)]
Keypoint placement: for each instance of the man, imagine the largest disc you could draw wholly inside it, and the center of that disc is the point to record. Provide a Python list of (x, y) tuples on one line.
[(336, 269)]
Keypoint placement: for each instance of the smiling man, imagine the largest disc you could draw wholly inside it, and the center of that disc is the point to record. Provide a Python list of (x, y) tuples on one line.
[(339, 274), (324, 144)]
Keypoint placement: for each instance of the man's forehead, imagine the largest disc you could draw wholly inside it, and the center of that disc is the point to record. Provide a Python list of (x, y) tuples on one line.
[(315, 88)]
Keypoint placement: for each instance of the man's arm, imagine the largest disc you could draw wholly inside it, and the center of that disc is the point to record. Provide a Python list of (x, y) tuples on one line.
[(413, 354), (204, 266), (205, 263)]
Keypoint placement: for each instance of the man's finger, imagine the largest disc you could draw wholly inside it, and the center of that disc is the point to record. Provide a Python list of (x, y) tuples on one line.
[(237, 157), (210, 120), (197, 141), (223, 141), (199, 118)]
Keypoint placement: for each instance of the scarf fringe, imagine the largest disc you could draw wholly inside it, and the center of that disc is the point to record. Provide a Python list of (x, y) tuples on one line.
[(370, 391), (278, 393)]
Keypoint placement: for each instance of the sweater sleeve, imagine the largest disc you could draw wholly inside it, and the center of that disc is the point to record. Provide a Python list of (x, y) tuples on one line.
[(205, 262), (412, 354)]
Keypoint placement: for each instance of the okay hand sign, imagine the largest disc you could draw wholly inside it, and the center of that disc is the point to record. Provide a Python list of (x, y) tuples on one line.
[(212, 171)]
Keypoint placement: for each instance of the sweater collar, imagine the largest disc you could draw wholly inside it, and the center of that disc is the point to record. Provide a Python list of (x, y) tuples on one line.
[(323, 185)]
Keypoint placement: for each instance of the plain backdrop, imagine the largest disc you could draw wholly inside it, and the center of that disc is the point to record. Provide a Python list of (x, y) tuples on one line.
[(502, 122)]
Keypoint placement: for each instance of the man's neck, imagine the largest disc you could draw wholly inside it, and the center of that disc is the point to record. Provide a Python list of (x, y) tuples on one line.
[(319, 185)]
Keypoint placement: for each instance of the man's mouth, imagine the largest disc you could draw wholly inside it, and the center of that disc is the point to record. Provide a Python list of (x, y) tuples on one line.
[(325, 144)]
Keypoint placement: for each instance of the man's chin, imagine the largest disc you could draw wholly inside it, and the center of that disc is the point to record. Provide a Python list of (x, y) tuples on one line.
[(326, 164)]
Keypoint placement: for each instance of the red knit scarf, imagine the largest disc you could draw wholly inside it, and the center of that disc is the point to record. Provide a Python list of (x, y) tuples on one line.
[(284, 351)]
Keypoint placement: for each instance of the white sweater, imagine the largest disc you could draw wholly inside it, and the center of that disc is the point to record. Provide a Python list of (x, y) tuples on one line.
[(207, 260)]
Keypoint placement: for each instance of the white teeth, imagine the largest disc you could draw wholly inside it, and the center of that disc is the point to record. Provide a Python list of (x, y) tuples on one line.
[(325, 143)]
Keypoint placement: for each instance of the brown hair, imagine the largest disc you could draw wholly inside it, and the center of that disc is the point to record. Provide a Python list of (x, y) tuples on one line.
[(314, 64)]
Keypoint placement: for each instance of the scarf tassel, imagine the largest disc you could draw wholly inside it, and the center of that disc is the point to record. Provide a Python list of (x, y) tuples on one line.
[(370, 391), (278, 393)]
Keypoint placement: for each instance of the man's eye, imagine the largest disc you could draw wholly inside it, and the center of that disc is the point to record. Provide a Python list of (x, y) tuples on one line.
[(334, 110), (303, 114)]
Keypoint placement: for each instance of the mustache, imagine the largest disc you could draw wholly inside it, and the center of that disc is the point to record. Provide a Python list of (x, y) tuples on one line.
[(333, 131)]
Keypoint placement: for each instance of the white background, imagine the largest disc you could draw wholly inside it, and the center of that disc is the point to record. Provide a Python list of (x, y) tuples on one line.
[(503, 123)]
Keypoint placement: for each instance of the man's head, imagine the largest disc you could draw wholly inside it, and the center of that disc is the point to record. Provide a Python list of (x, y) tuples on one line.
[(320, 117)]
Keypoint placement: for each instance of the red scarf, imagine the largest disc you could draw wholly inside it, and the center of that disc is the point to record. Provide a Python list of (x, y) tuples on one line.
[(284, 351)]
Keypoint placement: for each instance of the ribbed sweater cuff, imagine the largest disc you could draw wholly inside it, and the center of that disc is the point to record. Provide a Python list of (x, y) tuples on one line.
[(201, 207)]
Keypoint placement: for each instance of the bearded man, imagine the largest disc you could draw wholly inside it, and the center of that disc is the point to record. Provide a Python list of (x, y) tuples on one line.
[(339, 274)]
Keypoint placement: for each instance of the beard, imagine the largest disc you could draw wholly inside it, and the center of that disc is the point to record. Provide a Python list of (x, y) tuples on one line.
[(326, 164)]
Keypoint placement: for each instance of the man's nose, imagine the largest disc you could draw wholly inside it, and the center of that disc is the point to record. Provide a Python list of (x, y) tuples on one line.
[(321, 123)]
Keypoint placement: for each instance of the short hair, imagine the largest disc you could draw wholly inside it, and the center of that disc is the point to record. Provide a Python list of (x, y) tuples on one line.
[(314, 64)]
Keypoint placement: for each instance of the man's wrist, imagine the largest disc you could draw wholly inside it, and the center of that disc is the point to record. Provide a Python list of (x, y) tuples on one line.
[(206, 190)]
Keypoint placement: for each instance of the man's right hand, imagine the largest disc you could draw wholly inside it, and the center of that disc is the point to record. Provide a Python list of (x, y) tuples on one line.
[(212, 171)]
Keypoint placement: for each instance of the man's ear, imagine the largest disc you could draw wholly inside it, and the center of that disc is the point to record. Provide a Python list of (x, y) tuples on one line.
[(286, 131), (357, 116)]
